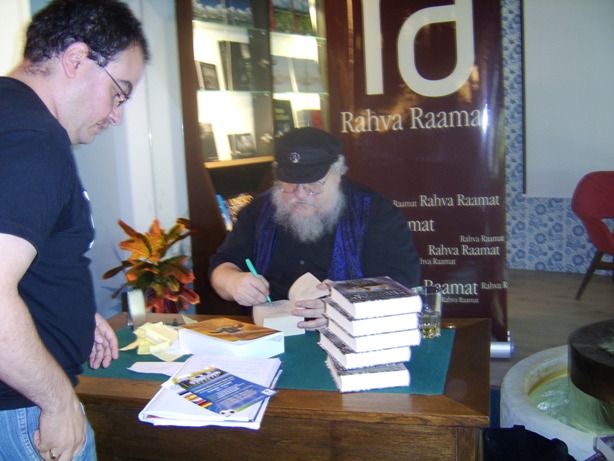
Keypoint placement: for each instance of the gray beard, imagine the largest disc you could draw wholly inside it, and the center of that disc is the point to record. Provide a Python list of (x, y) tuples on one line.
[(307, 229)]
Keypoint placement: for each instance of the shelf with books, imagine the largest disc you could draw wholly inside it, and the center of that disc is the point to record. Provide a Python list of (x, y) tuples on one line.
[(228, 101)]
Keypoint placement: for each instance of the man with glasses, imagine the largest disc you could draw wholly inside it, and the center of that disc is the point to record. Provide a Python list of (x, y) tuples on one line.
[(313, 219), (81, 60)]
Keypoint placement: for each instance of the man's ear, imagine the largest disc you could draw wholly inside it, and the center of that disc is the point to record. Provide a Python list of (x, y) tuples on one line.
[(73, 57)]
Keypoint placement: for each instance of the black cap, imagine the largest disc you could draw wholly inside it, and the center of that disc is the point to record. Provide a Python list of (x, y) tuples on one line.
[(304, 155)]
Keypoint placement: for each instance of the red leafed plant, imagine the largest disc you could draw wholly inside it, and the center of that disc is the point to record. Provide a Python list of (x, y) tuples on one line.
[(163, 281)]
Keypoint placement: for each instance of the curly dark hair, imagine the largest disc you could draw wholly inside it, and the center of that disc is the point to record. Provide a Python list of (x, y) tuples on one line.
[(108, 27)]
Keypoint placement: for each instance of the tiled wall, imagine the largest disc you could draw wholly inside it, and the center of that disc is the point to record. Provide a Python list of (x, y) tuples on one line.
[(542, 233)]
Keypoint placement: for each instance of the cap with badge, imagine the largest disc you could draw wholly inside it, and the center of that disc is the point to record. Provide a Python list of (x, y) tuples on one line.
[(304, 155)]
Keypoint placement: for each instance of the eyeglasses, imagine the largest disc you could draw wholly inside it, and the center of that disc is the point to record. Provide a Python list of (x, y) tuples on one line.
[(314, 188), (122, 96)]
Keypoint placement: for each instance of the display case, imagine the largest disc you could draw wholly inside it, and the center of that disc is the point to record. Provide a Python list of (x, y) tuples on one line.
[(250, 71)]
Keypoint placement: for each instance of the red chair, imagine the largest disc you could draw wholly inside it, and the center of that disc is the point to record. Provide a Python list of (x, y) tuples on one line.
[(592, 202)]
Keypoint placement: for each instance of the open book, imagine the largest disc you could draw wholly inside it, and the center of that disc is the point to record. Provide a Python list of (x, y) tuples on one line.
[(277, 315)]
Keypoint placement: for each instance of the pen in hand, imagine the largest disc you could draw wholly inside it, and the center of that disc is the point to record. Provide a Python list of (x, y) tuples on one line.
[(252, 269)]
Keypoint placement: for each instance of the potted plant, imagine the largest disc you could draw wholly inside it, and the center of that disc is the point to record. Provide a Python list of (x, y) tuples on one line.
[(164, 282)]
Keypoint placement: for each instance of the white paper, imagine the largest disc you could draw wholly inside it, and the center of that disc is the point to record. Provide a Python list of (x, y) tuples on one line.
[(169, 409)]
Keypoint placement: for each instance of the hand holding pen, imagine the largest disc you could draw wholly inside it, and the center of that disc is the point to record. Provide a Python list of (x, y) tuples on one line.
[(252, 269)]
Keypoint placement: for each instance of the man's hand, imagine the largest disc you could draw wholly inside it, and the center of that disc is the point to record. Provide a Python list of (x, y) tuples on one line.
[(105, 346), (232, 284), (312, 309), (247, 289), (61, 433)]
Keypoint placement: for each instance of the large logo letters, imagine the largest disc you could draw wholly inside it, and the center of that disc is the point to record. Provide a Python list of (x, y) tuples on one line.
[(461, 13)]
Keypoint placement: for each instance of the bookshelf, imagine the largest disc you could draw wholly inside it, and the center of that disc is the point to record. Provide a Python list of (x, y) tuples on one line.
[(250, 70)]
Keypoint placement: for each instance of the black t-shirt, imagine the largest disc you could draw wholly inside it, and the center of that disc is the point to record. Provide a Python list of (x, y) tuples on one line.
[(387, 248), (42, 201)]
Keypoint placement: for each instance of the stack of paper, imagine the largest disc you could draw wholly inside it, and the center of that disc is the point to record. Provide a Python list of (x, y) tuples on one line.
[(243, 378)]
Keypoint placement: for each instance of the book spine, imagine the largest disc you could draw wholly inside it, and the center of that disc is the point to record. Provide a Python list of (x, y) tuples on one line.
[(377, 341), (224, 211)]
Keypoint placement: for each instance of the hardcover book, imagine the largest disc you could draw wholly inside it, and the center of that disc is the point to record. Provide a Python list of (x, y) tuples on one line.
[(302, 17), (282, 80), (226, 336), (239, 13), (291, 16), (350, 359), (307, 75), (375, 342), (362, 379), (282, 16), (237, 65), (369, 326), (207, 142), (223, 206), (374, 297), (236, 203), (283, 120), (241, 145), (209, 10), (207, 76)]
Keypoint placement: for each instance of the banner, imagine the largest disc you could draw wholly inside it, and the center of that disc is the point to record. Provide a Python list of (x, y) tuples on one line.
[(416, 94)]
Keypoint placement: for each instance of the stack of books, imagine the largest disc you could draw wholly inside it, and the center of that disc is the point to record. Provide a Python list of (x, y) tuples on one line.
[(372, 324)]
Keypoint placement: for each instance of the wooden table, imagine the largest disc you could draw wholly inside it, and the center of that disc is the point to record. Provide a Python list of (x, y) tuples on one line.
[(312, 425)]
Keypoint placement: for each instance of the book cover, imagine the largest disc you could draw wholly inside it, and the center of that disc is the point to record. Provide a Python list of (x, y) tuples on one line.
[(235, 203), (362, 379), (282, 80), (307, 75), (374, 297), (260, 55), (239, 13), (230, 337), (223, 206), (237, 65), (207, 76), (375, 342), (209, 10), (282, 16), (263, 122), (317, 120), (283, 121), (350, 359), (241, 145), (207, 142), (369, 326), (302, 18), (218, 391)]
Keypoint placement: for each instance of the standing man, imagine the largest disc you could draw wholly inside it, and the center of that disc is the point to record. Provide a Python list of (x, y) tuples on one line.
[(81, 61), (316, 220)]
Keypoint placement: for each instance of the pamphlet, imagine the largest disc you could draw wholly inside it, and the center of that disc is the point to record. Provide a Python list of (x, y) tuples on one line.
[(218, 391)]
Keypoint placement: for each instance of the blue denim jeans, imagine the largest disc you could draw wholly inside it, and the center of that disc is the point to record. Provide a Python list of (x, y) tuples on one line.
[(17, 436)]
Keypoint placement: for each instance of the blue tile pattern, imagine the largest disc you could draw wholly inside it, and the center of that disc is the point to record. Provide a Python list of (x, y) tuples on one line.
[(542, 233)]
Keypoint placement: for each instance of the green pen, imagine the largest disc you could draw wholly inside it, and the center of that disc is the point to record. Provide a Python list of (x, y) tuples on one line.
[(252, 269)]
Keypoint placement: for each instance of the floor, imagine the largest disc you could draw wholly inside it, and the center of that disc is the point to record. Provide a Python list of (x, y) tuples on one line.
[(542, 312)]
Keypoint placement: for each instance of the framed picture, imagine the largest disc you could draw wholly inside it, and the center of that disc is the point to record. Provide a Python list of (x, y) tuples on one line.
[(207, 76), (241, 145)]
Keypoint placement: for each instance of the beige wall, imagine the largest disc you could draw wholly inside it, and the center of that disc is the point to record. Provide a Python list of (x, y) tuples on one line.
[(13, 20)]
